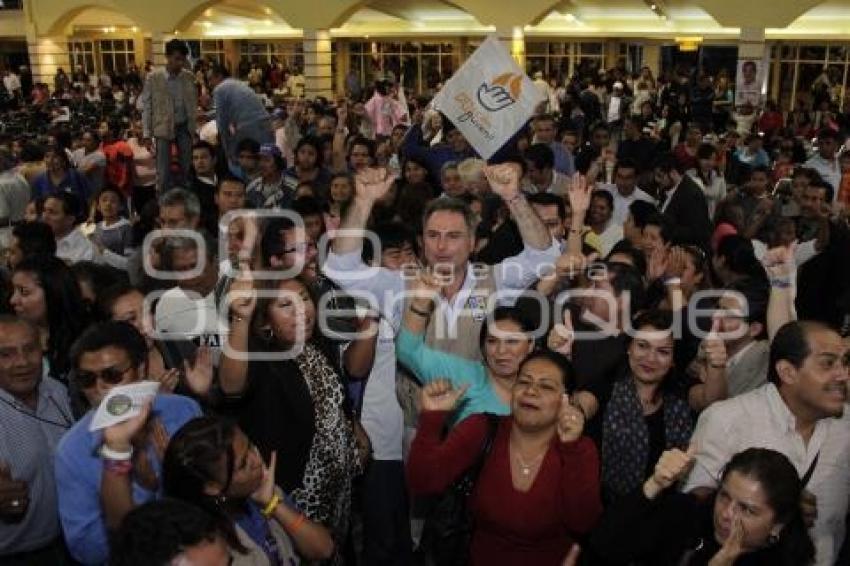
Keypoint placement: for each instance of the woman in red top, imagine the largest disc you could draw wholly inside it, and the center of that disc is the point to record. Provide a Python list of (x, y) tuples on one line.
[(539, 486)]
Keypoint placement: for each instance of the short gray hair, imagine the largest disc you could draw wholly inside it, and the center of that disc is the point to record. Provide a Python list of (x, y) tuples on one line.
[(181, 197), (447, 166)]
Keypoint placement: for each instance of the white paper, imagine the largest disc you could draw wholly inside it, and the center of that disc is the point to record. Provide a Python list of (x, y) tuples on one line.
[(123, 403), (489, 98)]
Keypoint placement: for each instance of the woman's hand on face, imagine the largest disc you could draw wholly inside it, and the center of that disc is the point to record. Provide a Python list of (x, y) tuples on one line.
[(570, 421), (266, 490), (732, 547), (441, 395)]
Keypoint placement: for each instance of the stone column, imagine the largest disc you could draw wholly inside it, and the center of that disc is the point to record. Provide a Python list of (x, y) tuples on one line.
[(514, 40), (318, 75), (47, 54), (652, 58)]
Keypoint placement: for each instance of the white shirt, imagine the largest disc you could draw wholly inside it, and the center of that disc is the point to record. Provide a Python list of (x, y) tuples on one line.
[(761, 418), (12, 83), (382, 417), (622, 203), (189, 317), (387, 287), (75, 247), (614, 109), (829, 171)]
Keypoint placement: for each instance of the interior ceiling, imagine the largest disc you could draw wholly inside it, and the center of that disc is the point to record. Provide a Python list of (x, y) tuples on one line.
[(233, 17)]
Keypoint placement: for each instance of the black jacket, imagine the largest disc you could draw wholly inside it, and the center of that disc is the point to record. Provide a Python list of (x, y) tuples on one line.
[(674, 529), (688, 215)]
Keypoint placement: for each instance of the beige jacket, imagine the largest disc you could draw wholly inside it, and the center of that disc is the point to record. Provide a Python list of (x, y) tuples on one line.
[(158, 108)]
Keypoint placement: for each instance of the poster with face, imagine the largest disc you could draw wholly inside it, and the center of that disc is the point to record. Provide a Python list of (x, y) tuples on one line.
[(748, 82)]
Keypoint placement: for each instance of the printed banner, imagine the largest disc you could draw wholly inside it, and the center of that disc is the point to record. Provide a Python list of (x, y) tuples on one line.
[(489, 98)]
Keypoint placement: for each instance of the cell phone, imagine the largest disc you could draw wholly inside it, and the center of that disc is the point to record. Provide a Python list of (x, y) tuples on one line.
[(176, 352)]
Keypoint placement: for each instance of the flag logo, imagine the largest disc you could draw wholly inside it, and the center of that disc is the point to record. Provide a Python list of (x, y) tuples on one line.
[(502, 92)]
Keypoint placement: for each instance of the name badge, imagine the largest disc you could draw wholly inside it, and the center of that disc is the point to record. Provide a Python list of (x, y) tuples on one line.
[(478, 308)]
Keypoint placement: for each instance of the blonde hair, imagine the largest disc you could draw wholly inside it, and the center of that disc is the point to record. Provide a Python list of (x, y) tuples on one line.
[(471, 170)]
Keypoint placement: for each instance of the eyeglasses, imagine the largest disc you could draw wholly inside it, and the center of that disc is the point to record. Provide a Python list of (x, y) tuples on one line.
[(112, 376)]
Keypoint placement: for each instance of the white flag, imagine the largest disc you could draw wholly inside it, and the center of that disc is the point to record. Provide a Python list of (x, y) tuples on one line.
[(489, 98)]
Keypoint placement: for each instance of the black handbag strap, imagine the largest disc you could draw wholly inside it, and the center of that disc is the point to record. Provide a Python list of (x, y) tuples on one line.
[(486, 447), (811, 471)]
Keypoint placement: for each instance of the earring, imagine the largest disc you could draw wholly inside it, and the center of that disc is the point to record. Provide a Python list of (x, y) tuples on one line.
[(269, 334), (772, 539)]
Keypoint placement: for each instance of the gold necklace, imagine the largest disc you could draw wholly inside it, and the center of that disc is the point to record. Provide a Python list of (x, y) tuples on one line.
[(524, 467)]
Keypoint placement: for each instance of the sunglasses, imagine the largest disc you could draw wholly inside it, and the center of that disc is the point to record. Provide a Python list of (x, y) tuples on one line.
[(111, 376)]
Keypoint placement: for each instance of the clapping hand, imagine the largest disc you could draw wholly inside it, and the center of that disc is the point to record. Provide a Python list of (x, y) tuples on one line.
[(441, 395)]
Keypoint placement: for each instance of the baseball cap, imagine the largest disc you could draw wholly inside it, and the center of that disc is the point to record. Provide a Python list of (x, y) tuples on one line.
[(270, 149)]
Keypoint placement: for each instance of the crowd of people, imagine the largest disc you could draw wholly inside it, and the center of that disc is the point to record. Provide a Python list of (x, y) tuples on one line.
[(620, 341)]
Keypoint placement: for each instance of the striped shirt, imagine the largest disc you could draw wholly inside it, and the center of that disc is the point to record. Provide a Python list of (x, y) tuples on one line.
[(28, 440)]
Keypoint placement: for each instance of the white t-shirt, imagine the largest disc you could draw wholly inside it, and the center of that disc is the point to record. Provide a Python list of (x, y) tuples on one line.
[(382, 416), (189, 317), (75, 247), (621, 203)]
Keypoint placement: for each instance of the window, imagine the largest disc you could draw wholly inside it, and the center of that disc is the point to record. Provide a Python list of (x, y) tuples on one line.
[(290, 54), (213, 50), (422, 65), (561, 60), (809, 74), (116, 55), (81, 54)]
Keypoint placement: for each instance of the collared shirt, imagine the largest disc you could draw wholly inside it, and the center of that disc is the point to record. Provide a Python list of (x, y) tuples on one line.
[(830, 171), (761, 418), (385, 287), (622, 203), (668, 196), (747, 369), (78, 476), (175, 90), (558, 186), (74, 247), (28, 441)]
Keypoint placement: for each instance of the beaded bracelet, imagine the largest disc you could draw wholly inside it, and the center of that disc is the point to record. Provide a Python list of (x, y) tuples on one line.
[(780, 282)]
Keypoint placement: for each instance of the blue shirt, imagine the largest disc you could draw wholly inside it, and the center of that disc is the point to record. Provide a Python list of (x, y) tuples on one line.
[(73, 182), (78, 476), (563, 159), (429, 365)]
